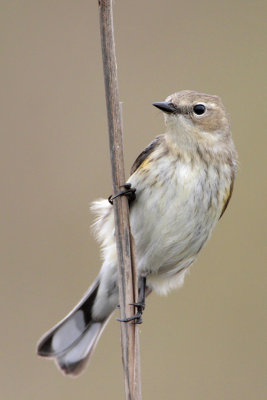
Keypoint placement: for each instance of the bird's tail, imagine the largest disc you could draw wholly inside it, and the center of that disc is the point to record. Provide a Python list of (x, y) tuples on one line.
[(72, 341)]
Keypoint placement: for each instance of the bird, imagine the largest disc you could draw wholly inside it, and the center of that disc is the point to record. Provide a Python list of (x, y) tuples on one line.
[(178, 189)]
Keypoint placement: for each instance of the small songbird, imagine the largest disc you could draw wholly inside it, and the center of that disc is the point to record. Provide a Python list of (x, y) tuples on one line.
[(181, 185)]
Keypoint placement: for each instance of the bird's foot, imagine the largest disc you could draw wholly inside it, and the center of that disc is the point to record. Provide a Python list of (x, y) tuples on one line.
[(140, 305), (135, 319), (129, 192)]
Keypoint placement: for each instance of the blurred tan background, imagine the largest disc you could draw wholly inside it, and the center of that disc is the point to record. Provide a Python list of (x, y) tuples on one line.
[(203, 342)]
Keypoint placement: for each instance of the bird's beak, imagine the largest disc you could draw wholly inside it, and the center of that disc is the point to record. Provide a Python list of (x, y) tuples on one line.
[(166, 107)]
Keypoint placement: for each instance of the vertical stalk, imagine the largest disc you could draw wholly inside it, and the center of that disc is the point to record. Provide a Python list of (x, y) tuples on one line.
[(124, 240)]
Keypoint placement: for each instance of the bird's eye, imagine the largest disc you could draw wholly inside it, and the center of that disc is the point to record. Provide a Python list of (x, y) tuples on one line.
[(199, 109)]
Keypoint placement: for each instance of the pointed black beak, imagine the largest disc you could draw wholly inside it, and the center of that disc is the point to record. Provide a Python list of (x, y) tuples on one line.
[(166, 107)]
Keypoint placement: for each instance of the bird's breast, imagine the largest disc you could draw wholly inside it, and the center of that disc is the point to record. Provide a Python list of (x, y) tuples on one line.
[(177, 206)]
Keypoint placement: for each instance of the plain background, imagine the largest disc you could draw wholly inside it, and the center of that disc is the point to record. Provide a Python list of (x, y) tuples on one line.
[(205, 341)]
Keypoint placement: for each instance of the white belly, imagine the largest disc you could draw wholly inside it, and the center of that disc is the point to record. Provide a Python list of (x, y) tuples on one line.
[(172, 217), (171, 220)]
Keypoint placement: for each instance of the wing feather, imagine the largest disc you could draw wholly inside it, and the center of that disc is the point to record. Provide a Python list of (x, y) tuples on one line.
[(228, 197), (146, 152)]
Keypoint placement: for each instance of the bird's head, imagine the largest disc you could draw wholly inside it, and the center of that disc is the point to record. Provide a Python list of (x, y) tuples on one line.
[(193, 117)]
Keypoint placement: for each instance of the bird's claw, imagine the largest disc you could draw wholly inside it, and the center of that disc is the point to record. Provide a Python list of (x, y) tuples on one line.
[(137, 318), (129, 192)]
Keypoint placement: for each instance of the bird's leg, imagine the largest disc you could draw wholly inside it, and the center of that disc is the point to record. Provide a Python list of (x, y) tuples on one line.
[(129, 192), (140, 305)]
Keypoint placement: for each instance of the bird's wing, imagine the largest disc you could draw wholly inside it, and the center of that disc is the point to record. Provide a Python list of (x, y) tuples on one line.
[(228, 195), (146, 152)]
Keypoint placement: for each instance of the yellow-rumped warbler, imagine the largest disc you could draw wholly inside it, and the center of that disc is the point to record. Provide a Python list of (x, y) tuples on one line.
[(184, 181)]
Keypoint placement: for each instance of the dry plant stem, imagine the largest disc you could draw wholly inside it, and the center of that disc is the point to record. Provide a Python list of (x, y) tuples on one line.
[(124, 241)]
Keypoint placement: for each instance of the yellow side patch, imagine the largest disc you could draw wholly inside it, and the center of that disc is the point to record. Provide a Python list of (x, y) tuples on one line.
[(145, 163), (227, 198)]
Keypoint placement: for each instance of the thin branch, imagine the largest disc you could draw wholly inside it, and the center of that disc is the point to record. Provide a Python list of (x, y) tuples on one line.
[(124, 240)]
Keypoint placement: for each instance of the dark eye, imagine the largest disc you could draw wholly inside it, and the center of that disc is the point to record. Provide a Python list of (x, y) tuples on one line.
[(199, 109)]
